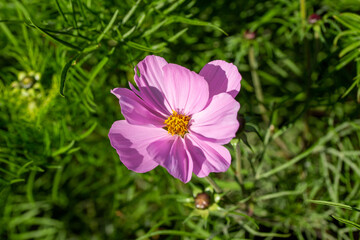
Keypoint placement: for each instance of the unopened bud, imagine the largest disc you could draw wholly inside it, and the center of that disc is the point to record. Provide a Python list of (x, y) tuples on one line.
[(27, 82), (202, 201), (313, 18), (249, 35)]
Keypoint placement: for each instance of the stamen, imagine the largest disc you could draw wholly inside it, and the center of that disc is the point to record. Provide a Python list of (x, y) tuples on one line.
[(177, 124)]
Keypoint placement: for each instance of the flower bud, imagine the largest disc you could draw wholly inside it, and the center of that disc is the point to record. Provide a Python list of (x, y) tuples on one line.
[(249, 35), (313, 18), (27, 82), (202, 201)]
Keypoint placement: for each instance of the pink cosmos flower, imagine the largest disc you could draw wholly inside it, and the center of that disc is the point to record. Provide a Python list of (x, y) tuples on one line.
[(177, 119)]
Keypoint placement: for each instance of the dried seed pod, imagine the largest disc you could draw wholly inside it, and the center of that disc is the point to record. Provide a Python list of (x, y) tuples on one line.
[(202, 201)]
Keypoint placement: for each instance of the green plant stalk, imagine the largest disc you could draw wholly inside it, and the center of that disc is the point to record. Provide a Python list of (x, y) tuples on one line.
[(30, 185), (316, 147), (259, 95), (303, 12), (213, 184), (257, 85), (238, 163)]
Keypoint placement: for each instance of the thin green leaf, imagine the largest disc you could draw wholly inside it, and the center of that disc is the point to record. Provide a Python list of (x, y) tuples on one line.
[(142, 47), (261, 234), (107, 28), (252, 220), (61, 11), (333, 204), (56, 183), (194, 22), (351, 87), (173, 233), (154, 28), (347, 59), (95, 72), (4, 194), (279, 194), (64, 73), (305, 153), (56, 38), (349, 20), (131, 12), (88, 132), (63, 149), (345, 33), (177, 35), (347, 222), (173, 6), (36, 234), (9, 35), (349, 48), (80, 4)]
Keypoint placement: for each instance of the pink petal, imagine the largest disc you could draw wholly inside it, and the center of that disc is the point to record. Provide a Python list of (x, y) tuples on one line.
[(131, 141), (135, 110), (218, 121), (186, 91), (151, 82), (222, 77), (170, 153), (207, 157)]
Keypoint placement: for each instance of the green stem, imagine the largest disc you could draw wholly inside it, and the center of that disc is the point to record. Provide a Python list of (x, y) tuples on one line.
[(238, 163), (257, 85), (213, 184), (30, 185), (303, 12), (260, 97)]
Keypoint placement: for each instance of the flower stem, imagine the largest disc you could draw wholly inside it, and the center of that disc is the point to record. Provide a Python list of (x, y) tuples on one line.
[(257, 85), (238, 162), (303, 11), (260, 97), (213, 184)]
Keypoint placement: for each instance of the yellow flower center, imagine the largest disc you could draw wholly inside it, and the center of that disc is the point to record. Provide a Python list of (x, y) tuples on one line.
[(177, 124)]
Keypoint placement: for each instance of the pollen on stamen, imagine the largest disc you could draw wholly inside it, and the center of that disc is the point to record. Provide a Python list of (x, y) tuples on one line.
[(177, 124)]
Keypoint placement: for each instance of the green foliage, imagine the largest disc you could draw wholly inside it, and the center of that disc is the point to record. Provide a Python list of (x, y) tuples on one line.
[(61, 179)]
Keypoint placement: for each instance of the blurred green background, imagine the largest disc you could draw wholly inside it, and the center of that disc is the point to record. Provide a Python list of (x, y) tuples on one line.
[(299, 140)]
